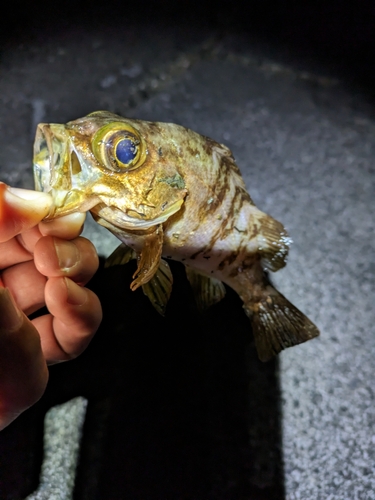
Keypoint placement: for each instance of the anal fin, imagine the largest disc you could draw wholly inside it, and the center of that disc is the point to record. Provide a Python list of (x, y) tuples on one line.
[(207, 291), (278, 324)]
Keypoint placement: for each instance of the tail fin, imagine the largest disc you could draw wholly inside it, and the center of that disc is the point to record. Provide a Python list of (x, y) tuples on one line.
[(277, 324)]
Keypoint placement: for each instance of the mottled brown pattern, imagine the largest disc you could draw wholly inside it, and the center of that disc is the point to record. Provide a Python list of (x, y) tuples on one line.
[(186, 197), (153, 128), (208, 145), (220, 191), (229, 164), (196, 253), (229, 259), (240, 197), (193, 152)]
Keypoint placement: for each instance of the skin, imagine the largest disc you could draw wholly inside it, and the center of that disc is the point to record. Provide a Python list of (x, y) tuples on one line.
[(40, 264)]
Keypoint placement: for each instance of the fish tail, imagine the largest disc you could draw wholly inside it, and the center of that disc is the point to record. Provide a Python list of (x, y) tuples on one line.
[(277, 324)]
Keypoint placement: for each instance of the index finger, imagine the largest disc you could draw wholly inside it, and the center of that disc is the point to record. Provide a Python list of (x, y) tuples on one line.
[(21, 209)]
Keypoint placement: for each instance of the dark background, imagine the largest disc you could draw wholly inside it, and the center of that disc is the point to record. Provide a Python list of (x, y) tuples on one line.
[(192, 414), (335, 34)]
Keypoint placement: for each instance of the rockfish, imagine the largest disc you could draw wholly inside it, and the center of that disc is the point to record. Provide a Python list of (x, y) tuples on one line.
[(166, 191)]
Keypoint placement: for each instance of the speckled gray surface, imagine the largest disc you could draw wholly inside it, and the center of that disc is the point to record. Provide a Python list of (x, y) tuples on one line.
[(306, 149), (62, 436)]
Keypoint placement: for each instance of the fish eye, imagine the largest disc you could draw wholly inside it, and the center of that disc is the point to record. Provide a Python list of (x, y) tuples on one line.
[(126, 151), (119, 147)]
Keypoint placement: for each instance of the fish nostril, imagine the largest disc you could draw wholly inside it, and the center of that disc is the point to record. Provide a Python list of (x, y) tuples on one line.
[(75, 164)]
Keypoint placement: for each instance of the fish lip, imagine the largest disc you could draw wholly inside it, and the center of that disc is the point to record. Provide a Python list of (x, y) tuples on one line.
[(119, 219)]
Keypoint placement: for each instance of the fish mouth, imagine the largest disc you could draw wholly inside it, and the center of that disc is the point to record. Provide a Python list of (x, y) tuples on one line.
[(121, 220), (59, 172), (50, 151)]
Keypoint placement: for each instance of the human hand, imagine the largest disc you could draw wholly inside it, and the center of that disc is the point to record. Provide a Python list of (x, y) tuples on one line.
[(41, 263)]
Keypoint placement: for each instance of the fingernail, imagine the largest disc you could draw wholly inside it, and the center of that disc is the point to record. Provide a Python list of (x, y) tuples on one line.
[(29, 198), (63, 226), (10, 316), (77, 295), (67, 254)]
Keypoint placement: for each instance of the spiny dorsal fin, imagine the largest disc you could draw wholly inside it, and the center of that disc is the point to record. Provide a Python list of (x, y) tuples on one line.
[(277, 324), (148, 260), (120, 256), (274, 242), (159, 288), (207, 291)]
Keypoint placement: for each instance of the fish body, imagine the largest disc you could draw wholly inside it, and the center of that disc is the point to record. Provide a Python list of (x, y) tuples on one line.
[(166, 191)]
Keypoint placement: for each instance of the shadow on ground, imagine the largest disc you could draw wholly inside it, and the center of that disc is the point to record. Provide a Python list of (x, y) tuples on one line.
[(178, 407)]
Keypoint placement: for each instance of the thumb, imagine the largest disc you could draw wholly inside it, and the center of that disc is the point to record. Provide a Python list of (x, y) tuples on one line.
[(21, 209)]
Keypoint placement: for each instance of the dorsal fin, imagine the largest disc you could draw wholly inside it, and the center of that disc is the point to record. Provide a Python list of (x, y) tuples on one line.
[(207, 291), (159, 288), (274, 242), (149, 258)]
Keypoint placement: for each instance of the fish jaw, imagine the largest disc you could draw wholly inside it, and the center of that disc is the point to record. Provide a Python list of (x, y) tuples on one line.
[(60, 172), (118, 221)]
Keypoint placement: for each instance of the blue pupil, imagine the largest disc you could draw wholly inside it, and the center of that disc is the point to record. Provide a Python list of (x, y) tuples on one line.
[(126, 151)]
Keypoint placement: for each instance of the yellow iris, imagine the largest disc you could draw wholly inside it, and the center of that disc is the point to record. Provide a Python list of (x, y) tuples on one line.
[(119, 147)]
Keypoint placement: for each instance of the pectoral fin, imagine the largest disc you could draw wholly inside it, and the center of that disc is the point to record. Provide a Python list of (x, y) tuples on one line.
[(207, 291), (277, 324), (120, 256), (149, 258), (159, 288), (153, 273)]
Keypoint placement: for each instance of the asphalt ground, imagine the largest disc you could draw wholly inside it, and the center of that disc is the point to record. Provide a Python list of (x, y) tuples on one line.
[(191, 413)]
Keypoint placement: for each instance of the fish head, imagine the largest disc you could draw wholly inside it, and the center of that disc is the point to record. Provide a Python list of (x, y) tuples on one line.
[(111, 166)]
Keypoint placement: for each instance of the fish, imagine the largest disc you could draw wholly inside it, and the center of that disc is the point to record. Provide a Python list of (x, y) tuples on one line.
[(168, 192)]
